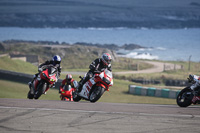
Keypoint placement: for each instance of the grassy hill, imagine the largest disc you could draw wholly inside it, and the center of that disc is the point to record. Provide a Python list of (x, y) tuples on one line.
[(17, 65), (73, 56)]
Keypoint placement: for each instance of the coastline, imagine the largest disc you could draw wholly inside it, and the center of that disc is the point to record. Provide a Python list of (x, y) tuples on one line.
[(159, 44)]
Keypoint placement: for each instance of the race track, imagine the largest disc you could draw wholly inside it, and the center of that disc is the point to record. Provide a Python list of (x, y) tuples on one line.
[(43, 116)]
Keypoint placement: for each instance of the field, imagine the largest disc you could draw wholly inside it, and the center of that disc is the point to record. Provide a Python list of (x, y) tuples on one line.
[(76, 59), (118, 92)]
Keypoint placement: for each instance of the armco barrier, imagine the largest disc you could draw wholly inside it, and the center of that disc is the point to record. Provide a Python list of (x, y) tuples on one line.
[(145, 91), (20, 77)]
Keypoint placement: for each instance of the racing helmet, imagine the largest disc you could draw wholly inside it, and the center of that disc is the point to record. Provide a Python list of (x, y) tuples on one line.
[(106, 58), (68, 77), (56, 59)]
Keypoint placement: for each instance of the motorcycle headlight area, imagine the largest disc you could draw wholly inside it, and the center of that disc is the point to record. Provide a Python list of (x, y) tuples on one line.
[(52, 80), (106, 80)]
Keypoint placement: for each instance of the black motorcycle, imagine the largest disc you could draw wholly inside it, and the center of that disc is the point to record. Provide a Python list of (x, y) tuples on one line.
[(186, 95)]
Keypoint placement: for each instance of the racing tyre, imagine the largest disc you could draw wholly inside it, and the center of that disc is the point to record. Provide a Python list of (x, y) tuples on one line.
[(30, 96), (41, 89), (76, 97), (96, 93), (184, 98)]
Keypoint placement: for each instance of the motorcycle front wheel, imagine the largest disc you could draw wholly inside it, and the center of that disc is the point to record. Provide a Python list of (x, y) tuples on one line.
[(184, 98), (30, 96), (96, 93), (40, 90)]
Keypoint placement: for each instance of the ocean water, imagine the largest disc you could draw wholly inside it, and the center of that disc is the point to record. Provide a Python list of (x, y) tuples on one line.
[(162, 44)]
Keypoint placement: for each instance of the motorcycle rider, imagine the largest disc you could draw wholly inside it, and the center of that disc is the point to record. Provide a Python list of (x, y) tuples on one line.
[(196, 79), (67, 81), (55, 61), (97, 66)]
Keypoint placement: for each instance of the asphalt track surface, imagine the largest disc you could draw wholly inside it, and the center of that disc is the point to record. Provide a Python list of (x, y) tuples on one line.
[(43, 116)]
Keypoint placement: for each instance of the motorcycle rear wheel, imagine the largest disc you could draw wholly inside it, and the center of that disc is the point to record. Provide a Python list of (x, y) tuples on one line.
[(96, 94), (183, 99), (76, 97)]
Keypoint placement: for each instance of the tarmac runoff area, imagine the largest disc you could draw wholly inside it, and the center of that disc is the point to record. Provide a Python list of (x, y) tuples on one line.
[(43, 116)]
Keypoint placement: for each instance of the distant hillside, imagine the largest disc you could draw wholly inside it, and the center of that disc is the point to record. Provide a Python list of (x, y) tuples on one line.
[(101, 13), (104, 46), (73, 56)]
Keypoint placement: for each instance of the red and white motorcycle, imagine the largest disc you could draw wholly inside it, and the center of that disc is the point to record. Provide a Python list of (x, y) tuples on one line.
[(94, 88)]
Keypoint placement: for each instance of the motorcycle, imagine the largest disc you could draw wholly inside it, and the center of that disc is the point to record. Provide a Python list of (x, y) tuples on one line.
[(186, 96), (94, 88), (66, 93), (43, 82)]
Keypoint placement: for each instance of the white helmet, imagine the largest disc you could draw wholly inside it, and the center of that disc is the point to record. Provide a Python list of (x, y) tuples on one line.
[(56, 59)]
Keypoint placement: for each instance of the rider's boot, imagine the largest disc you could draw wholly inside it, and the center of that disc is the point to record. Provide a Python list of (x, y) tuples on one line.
[(80, 85), (82, 82)]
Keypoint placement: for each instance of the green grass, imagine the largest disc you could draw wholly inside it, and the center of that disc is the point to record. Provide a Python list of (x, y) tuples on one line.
[(117, 93), (17, 65), (19, 91)]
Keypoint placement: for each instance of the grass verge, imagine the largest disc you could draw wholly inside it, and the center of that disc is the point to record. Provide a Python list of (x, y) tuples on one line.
[(117, 94)]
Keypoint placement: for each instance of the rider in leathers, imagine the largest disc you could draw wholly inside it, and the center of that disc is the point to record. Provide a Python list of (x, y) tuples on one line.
[(67, 81), (97, 66), (56, 60), (194, 86)]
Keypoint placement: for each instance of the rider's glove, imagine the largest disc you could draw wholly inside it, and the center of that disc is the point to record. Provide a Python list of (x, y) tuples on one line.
[(40, 69)]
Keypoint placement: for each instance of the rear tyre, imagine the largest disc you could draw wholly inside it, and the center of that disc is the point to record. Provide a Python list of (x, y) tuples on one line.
[(96, 94), (76, 97), (30, 96), (41, 89), (184, 98)]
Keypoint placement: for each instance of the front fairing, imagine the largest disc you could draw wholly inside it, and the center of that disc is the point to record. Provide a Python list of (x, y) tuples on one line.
[(49, 75), (104, 79), (107, 77)]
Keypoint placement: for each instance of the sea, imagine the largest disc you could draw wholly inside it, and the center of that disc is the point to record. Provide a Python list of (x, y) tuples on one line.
[(160, 44)]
